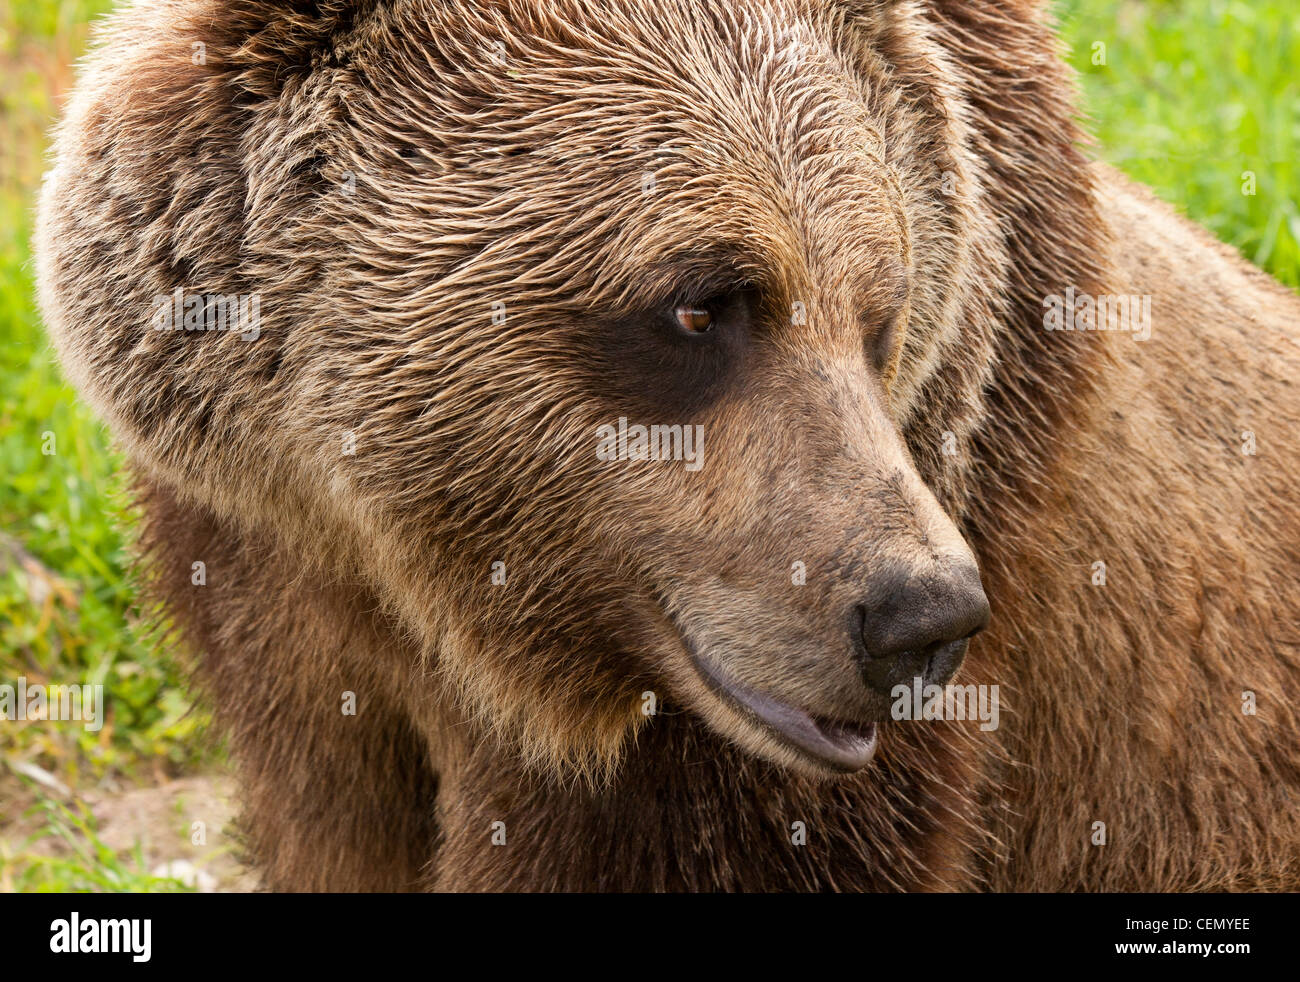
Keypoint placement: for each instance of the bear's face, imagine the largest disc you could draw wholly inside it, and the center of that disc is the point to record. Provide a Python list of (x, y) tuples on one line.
[(742, 230)]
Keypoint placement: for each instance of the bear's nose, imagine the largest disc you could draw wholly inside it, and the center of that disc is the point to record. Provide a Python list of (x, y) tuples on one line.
[(918, 625)]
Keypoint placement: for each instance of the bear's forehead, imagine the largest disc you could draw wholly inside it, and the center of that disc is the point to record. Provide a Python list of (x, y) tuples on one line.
[(703, 130), (738, 77)]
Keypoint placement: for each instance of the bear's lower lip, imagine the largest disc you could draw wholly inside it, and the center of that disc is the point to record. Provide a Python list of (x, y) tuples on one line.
[(838, 744)]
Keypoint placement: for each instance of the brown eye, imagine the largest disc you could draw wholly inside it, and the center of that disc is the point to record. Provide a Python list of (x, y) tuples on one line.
[(694, 320)]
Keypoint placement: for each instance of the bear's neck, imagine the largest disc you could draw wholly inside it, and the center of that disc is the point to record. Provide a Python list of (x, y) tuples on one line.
[(689, 812)]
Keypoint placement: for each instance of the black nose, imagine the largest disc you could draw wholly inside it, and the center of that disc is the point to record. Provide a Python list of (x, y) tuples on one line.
[(913, 626)]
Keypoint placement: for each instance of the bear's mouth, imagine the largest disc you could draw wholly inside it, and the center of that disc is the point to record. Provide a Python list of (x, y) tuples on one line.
[(839, 744)]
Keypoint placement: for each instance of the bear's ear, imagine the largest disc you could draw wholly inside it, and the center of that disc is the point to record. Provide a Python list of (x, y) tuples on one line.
[(866, 8), (270, 41), (1020, 9), (865, 19)]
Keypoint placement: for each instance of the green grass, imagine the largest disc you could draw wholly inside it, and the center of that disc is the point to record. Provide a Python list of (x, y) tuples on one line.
[(1191, 95), (66, 610), (85, 864)]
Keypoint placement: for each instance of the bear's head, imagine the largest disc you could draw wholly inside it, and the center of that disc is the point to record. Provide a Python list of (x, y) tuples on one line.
[(628, 351)]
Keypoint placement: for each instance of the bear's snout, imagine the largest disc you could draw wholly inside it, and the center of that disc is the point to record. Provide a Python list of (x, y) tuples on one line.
[(912, 626)]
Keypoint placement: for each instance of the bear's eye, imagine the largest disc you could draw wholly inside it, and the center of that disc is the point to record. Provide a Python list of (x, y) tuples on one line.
[(693, 320)]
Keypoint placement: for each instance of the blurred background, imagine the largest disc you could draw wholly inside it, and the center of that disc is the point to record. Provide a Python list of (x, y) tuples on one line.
[(1185, 95)]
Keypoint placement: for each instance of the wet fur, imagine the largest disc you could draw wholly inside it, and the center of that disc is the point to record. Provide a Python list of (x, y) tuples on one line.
[(370, 573)]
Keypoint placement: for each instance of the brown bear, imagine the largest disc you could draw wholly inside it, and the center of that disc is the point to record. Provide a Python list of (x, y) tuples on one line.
[(563, 429)]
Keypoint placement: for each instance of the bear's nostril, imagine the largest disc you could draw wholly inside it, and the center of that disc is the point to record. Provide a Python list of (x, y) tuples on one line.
[(917, 626), (858, 628)]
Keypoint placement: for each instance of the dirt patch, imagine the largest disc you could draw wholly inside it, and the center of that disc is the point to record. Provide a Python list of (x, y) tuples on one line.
[(182, 828), (167, 821)]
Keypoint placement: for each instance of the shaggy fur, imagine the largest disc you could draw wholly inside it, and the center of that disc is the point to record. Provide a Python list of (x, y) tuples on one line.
[(383, 172)]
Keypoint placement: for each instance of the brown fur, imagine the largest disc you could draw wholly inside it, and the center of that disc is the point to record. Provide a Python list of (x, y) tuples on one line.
[(811, 179)]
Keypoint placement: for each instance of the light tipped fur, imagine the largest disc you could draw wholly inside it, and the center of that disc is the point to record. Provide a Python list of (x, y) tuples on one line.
[(382, 174)]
